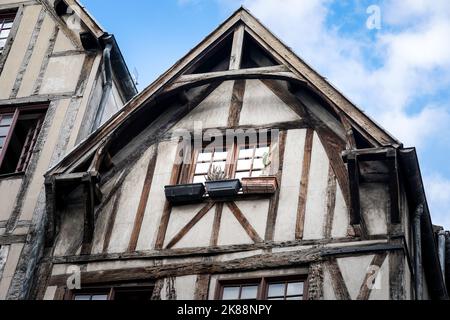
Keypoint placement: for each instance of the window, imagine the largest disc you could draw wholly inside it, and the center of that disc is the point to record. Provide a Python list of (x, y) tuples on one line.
[(251, 160), (289, 288), (208, 158), (136, 292), (19, 130), (6, 23), (237, 160)]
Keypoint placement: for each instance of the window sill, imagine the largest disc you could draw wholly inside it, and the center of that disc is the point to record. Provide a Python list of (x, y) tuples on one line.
[(12, 175), (252, 189)]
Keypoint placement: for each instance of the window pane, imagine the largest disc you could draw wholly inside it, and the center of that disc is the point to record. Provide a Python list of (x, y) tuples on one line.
[(2, 43), (100, 297), (275, 299), (295, 288), (4, 33), (82, 297), (8, 25), (276, 290), (245, 153), (240, 175), (220, 164), (256, 173), (244, 165), (294, 298), (258, 164), (6, 119), (202, 168), (2, 141), (219, 155), (249, 292), (4, 131), (230, 293), (199, 179), (261, 151), (206, 156)]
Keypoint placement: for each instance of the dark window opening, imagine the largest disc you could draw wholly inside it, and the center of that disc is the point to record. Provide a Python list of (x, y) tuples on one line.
[(19, 130), (136, 292), (6, 24)]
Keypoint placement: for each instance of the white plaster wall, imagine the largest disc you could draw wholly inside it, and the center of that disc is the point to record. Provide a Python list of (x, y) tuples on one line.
[(37, 182), (290, 185), (18, 49), (316, 200), (374, 206), (261, 106), (211, 112), (57, 79), (353, 271), (8, 193), (341, 218), (328, 291), (231, 232), (40, 49), (199, 235), (157, 199), (129, 202), (10, 268)]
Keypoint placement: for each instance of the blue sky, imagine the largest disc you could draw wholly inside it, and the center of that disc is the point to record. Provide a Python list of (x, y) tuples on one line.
[(399, 74)]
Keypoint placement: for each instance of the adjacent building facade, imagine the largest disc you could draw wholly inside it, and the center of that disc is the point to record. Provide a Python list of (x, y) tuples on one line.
[(240, 173), (61, 76)]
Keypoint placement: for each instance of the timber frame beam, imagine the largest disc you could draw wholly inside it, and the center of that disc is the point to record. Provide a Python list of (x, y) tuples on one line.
[(387, 155)]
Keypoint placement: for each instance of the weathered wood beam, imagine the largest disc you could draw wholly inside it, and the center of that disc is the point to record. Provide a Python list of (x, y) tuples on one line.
[(208, 251), (304, 183), (216, 225), (237, 100), (331, 203), (237, 46), (12, 238), (355, 204), (275, 199), (257, 262), (337, 281), (370, 154), (375, 265), (394, 186), (143, 201), (244, 222), (188, 81), (203, 211)]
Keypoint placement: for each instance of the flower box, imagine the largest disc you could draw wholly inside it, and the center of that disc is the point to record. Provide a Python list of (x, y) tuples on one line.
[(185, 193), (259, 185), (223, 188)]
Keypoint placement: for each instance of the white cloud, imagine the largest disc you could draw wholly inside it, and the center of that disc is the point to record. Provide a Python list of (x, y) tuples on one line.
[(413, 62), (438, 193)]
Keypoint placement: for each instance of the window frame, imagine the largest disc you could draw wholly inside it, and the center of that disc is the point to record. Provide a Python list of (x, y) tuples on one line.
[(109, 290), (187, 172), (16, 111), (263, 285), (11, 15)]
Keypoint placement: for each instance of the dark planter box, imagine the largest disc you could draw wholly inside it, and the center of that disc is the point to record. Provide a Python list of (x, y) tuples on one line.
[(223, 188), (185, 193)]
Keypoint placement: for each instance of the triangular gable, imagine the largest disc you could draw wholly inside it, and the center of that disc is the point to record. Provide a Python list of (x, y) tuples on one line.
[(281, 64)]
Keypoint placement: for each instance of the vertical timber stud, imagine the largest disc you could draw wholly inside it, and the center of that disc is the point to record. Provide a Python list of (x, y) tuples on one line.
[(143, 201), (274, 201), (353, 175), (88, 231), (164, 222), (394, 186), (237, 97), (202, 287), (50, 203), (301, 210), (236, 51)]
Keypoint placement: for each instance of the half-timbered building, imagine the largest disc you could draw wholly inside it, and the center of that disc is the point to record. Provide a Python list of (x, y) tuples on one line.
[(61, 76), (240, 173)]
